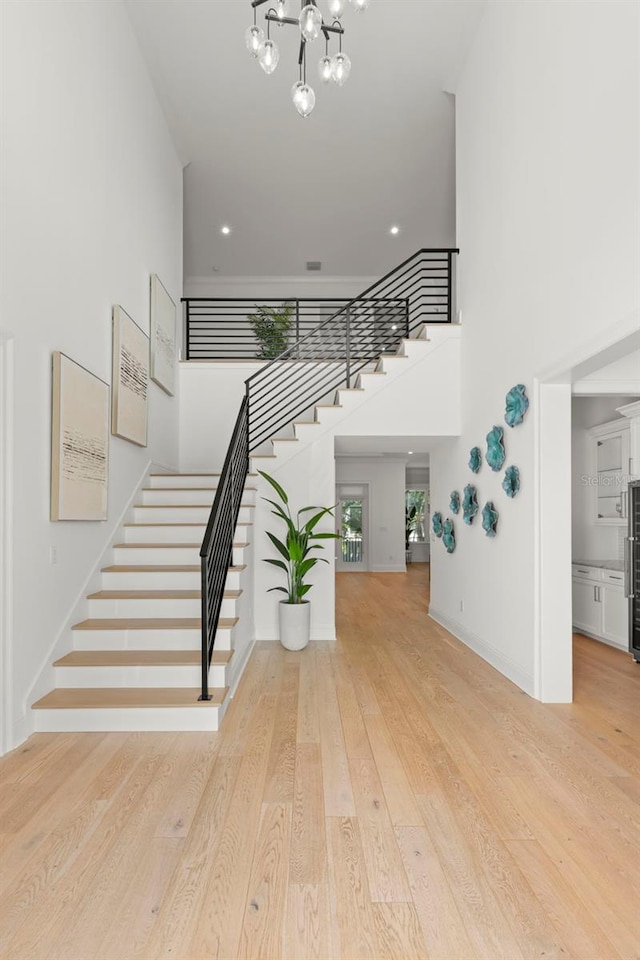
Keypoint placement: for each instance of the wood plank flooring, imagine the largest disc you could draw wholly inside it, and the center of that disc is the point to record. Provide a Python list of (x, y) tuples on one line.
[(386, 796)]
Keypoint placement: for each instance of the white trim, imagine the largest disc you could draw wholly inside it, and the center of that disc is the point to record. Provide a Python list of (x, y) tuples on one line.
[(63, 641), (7, 732), (234, 280), (630, 409), (389, 568), (496, 658), (608, 388)]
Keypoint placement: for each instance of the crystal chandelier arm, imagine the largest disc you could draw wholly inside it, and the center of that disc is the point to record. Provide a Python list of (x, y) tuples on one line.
[(296, 23)]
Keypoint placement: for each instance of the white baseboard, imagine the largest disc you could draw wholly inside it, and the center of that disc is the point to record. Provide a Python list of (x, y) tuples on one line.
[(496, 658), (389, 568), (240, 667)]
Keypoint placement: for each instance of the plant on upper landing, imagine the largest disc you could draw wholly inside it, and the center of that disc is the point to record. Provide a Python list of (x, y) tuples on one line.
[(271, 326), (295, 550)]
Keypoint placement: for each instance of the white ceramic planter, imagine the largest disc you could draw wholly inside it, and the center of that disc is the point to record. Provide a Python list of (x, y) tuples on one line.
[(295, 620)]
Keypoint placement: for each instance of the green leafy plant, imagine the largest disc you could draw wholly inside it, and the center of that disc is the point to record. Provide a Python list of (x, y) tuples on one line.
[(410, 522), (296, 561), (271, 326)]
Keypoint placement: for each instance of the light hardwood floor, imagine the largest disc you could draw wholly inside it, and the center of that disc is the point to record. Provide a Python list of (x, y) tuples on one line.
[(388, 796)]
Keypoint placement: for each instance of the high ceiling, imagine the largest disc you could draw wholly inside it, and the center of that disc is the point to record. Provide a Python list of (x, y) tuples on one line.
[(379, 151)]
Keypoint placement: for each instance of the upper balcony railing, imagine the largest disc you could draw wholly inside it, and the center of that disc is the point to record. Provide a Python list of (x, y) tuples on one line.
[(220, 328)]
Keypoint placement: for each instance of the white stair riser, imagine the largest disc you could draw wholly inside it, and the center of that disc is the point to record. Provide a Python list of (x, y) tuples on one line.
[(193, 514), (139, 676), (172, 556), (145, 580), (163, 608), (162, 481), (160, 497), (165, 533), (146, 639), (128, 719), (161, 580)]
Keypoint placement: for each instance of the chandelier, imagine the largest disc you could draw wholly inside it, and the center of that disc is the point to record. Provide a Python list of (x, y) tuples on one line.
[(331, 68)]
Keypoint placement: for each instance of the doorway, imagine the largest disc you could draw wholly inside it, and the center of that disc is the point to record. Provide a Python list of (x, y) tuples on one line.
[(352, 523)]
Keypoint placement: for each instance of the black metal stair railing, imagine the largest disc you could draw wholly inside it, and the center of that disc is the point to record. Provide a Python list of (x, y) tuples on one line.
[(326, 358)]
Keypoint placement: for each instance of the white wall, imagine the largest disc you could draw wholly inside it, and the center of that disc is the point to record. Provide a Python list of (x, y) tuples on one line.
[(547, 200), (92, 204), (386, 481), (257, 288), (590, 541)]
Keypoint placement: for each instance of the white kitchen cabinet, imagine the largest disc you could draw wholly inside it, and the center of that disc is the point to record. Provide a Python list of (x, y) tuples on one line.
[(600, 607), (632, 412), (586, 609), (610, 472)]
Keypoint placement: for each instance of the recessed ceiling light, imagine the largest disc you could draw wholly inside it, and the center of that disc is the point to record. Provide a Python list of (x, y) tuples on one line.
[(225, 230), (409, 452), (394, 231)]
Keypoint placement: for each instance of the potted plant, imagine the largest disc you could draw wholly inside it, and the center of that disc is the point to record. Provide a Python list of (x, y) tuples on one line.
[(301, 539), (410, 521), (271, 326)]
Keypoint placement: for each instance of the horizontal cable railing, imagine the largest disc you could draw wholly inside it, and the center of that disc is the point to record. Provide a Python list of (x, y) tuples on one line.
[(322, 359)]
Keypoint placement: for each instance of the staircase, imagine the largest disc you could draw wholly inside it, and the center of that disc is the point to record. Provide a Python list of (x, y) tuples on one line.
[(160, 648), (136, 659)]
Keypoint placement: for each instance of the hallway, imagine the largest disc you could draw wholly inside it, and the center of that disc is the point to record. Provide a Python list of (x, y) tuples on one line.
[(387, 796)]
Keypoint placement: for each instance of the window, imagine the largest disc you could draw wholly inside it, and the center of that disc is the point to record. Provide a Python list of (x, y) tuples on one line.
[(416, 523)]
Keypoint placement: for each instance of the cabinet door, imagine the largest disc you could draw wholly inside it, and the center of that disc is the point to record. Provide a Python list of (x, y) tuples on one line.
[(612, 476), (586, 609), (615, 615)]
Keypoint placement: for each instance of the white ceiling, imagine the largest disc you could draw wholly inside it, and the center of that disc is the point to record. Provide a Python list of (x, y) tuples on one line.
[(376, 152)]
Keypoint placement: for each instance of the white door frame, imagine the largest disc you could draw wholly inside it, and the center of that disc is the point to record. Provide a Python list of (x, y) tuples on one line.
[(553, 653), (6, 541)]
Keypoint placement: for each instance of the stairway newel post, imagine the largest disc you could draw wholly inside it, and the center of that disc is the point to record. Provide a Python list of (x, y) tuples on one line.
[(449, 285), (348, 350)]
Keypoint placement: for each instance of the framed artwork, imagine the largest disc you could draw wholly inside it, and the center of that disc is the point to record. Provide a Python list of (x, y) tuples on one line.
[(130, 380), (79, 442), (163, 337)]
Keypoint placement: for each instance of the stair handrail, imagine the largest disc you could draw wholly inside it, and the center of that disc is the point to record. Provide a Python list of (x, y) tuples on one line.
[(216, 553)]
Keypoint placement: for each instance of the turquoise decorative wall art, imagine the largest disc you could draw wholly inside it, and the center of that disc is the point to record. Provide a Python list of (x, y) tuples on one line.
[(436, 523), (470, 505), (454, 502), (490, 519), (495, 449), (475, 459), (449, 535), (511, 482), (516, 405)]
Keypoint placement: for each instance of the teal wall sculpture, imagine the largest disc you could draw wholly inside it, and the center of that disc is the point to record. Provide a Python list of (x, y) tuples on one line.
[(495, 448), (454, 502), (470, 505), (490, 519), (475, 459), (516, 405), (436, 523), (449, 535), (511, 482)]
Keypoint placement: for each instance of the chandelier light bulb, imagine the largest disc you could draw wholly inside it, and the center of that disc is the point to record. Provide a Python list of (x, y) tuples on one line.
[(360, 5), (310, 22), (340, 68), (268, 56), (304, 99), (254, 38), (282, 7), (336, 7), (325, 69)]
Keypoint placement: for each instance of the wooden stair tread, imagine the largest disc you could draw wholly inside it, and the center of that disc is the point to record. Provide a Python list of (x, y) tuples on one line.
[(327, 406), (189, 475), (139, 658), (183, 490), (156, 595), (180, 506), (149, 623), (168, 546), (78, 698), (163, 568), (240, 523)]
